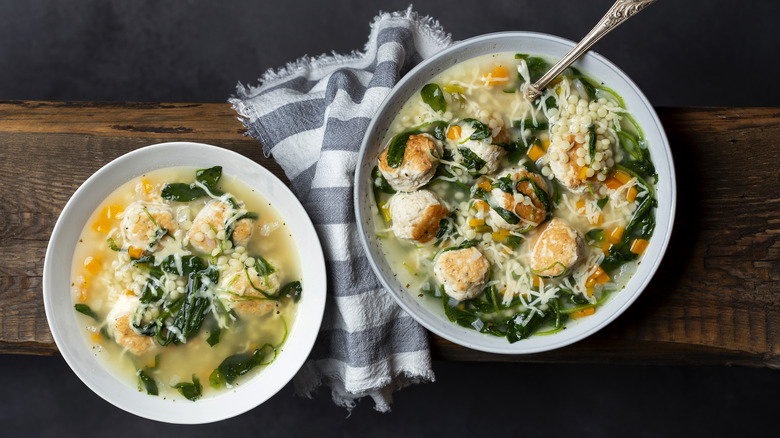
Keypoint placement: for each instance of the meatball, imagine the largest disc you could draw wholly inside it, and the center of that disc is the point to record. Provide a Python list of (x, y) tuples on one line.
[(243, 296), (489, 153), (214, 217), (121, 329), (421, 157), (416, 215), (463, 272), (557, 249), (563, 163), (142, 222), (525, 203)]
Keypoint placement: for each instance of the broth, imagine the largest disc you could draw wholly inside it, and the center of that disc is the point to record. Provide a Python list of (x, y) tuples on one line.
[(510, 174), (109, 282)]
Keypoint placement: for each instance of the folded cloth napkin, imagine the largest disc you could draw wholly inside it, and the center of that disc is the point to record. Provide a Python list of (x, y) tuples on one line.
[(311, 116)]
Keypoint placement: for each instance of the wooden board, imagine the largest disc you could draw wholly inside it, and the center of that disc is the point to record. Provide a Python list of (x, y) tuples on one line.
[(715, 299)]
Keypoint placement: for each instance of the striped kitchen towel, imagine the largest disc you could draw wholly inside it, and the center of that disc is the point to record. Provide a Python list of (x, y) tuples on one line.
[(311, 116)]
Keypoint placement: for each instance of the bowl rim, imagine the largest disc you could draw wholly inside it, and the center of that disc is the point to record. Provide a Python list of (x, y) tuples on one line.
[(302, 332), (660, 244)]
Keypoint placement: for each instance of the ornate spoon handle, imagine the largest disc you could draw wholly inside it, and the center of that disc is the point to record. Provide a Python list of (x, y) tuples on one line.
[(621, 11)]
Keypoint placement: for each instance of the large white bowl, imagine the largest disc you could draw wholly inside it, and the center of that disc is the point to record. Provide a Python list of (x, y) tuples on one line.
[(596, 66), (68, 334)]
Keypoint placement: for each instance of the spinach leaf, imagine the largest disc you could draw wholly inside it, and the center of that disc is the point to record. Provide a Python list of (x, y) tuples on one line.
[(209, 177), (439, 130), (481, 130), (434, 97), (508, 216), (191, 391), (397, 148), (551, 102), (214, 334), (147, 383), (380, 184), (641, 225), (86, 310), (292, 289), (180, 192), (640, 156), (537, 67), (602, 202), (530, 124), (239, 364), (592, 142), (262, 267), (189, 264), (470, 159), (595, 237), (574, 298), (152, 290), (505, 184)]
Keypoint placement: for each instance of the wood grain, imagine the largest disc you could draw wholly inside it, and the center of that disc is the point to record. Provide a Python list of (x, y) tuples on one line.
[(715, 299)]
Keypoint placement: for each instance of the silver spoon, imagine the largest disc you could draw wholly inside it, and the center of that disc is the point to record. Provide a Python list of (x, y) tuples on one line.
[(621, 11)]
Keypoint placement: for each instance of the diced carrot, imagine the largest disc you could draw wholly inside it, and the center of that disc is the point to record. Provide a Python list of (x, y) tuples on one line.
[(605, 247), (621, 176), (599, 219), (129, 292), (589, 291), (616, 234), (590, 282), (638, 246), (114, 210), (603, 278), (612, 183), (481, 205), (147, 186), (95, 337), (585, 312), (92, 264), (498, 75), (454, 132), (103, 222), (583, 175), (501, 235), (535, 280), (135, 252), (631, 196), (485, 185), (581, 206), (545, 144), (474, 222), (535, 153)]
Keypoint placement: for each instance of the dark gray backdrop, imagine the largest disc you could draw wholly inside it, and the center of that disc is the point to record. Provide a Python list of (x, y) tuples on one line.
[(680, 53)]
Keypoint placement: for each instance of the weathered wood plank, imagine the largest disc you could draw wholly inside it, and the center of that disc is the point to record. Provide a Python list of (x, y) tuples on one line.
[(715, 300)]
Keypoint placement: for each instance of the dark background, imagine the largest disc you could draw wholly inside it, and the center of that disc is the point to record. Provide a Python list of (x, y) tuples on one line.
[(679, 52)]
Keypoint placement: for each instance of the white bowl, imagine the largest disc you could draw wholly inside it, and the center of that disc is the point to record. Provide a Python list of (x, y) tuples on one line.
[(594, 65), (68, 334)]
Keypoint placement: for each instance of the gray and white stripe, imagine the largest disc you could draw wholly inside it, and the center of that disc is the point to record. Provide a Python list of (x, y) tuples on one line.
[(311, 116)]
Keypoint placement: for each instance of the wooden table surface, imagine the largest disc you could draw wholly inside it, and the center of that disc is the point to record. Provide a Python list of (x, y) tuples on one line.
[(715, 299)]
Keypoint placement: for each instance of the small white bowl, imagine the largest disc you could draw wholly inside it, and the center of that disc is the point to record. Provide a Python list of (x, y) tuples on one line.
[(68, 334), (594, 65)]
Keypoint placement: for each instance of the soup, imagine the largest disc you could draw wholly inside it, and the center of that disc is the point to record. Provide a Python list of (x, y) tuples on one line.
[(186, 282), (514, 218)]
